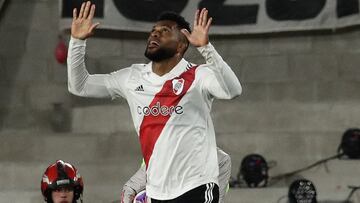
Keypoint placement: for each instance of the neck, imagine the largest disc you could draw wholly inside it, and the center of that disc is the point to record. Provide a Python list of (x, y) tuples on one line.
[(162, 67)]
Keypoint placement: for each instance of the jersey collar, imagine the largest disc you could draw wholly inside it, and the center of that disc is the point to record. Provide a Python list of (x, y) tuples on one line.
[(176, 71)]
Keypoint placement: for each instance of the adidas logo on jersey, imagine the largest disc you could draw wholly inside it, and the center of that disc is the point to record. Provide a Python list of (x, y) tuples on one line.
[(140, 88)]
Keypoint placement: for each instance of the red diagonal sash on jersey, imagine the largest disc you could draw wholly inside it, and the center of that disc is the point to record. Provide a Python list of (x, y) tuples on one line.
[(151, 126)]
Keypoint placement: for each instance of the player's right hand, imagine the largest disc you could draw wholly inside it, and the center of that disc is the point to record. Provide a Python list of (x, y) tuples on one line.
[(82, 26)]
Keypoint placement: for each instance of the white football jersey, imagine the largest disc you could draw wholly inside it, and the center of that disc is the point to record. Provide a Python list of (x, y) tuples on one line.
[(171, 115)]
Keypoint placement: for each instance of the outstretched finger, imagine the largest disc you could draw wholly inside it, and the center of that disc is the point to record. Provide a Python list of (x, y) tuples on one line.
[(74, 14), (208, 24), (201, 17), (204, 20), (92, 28), (92, 12), (87, 8), (186, 33), (82, 10), (196, 17)]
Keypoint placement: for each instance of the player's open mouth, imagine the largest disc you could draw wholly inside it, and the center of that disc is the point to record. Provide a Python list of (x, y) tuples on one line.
[(153, 44)]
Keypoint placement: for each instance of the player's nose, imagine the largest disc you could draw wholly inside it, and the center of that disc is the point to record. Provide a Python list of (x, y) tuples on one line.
[(155, 34)]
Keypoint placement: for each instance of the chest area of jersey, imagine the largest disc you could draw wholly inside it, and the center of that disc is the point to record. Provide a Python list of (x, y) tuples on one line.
[(174, 96)]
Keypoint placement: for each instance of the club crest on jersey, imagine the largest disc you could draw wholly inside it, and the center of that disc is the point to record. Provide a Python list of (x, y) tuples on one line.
[(178, 85)]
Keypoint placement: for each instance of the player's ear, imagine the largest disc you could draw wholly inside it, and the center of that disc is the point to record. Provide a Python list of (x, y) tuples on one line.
[(183, 43), (181, 46)]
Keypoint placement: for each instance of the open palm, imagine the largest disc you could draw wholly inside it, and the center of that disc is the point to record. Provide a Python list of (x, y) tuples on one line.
[(82, 26), (200, 34)]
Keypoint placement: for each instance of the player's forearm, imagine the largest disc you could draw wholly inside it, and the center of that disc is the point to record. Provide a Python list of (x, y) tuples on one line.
[(138, 181), (224, 74), (80, 82), (224, 173), (134, 185)]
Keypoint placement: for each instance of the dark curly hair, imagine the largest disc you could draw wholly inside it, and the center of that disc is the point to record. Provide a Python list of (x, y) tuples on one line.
[(172, 16)]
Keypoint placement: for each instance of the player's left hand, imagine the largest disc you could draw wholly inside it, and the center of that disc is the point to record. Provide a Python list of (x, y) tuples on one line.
[(200, 34)]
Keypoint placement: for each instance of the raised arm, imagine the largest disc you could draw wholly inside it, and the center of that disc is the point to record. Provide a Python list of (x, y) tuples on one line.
[(82, 26), (80, 82), (222, 82)]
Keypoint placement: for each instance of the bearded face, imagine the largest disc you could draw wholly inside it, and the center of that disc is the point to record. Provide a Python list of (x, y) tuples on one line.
[(163, 41), (157, 53)]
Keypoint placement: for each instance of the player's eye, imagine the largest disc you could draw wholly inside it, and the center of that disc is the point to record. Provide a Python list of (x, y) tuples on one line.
[(165, 30)]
